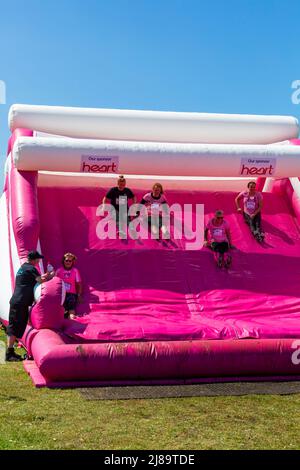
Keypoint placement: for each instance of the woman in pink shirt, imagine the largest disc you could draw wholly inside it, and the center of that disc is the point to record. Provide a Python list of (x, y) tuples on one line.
[(217, 236), (252, 205), (72, 281), (156, 203)]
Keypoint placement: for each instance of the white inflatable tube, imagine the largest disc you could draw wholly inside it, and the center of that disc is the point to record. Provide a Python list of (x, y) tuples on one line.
[(145, 158), (155, 126), (108, 180)]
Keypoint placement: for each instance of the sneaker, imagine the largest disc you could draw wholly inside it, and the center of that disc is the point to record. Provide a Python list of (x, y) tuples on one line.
[(260, 238), (13, 357), (257, 235)]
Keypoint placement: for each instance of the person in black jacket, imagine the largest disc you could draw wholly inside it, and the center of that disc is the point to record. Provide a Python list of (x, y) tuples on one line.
[(22, 298), (118, 197)]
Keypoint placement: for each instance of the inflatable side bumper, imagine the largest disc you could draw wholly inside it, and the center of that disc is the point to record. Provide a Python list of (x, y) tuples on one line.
[(59, 361)]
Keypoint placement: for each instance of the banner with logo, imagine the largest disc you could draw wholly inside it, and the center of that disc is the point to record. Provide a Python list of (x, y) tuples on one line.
[(99, 164), (260, 166)]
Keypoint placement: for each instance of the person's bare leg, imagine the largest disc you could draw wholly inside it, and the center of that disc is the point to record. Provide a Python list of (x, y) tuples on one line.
[(72, 314), (227, 260), (221, 260), (154, 231), (165, 232)]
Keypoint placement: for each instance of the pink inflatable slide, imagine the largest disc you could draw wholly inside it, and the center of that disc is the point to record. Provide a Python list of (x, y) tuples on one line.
[(154, 311)]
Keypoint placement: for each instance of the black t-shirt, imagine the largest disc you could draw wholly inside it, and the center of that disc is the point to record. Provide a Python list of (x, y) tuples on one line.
[(117, 197), (25, 282)]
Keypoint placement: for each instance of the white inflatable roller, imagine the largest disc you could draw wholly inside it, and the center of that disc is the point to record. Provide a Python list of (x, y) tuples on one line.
[(146, 158), (155, 126)]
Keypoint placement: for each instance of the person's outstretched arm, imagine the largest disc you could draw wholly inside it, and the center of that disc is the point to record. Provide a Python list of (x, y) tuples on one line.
[(237, 202), (45, 277), (228, 234), (79, 290)]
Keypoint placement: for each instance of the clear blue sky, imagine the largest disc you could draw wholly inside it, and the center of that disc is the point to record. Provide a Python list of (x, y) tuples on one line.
[(231, 56)]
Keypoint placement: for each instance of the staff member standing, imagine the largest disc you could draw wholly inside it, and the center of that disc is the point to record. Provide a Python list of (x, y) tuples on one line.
[(26, 278)]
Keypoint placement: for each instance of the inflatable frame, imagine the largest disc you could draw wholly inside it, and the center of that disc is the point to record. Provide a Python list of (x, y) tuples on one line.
[(154, 312)]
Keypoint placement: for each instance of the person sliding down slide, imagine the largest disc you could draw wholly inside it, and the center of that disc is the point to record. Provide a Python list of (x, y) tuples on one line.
[(155, 203), (252, 200), (118, 197), (220, 239)]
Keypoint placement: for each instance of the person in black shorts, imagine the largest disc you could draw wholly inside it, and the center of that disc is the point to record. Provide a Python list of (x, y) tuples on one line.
[(73, 285), (118, 197), (218, 231), (22, 298)]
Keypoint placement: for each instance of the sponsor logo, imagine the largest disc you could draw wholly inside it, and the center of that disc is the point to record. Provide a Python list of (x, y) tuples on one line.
[(99, 164), (258, 166)]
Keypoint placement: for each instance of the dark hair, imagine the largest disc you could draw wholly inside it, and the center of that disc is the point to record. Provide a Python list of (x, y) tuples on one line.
[(219, 213), (34, 255), (250, 182)]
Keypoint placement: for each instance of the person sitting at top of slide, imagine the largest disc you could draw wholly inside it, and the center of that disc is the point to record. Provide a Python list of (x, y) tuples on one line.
[(72, 281), (220, 238), (23, 296), (252, 201), (118, 197), (155, 203)]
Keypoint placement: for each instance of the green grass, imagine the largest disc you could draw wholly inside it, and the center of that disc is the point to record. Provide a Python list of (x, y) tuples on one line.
[(61, 419)]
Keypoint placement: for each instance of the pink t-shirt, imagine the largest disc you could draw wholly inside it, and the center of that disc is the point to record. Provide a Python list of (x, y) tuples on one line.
[(69, 277), (152, 204), (251, 203), (218, 232)]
